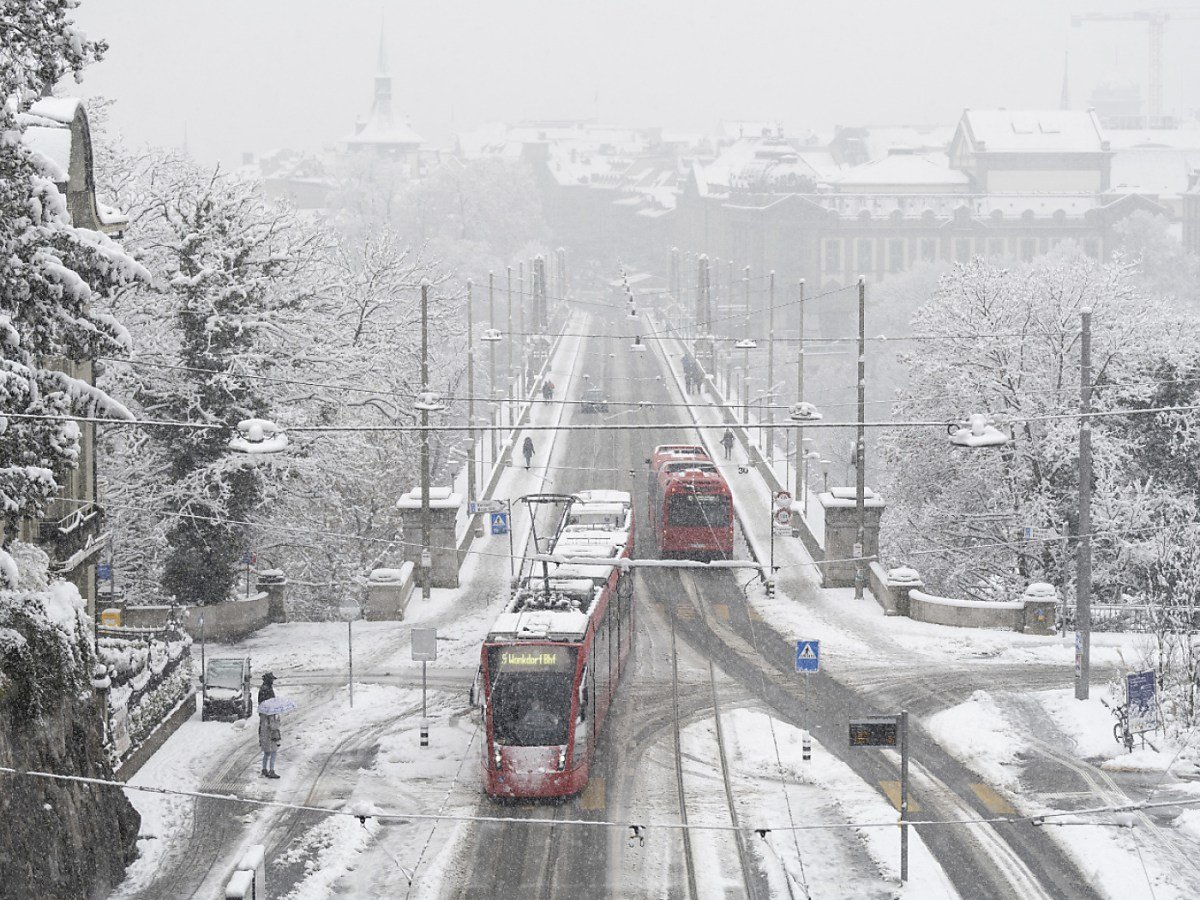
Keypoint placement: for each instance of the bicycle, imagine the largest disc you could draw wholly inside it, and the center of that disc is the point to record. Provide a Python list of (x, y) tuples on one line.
[(1121, 733)]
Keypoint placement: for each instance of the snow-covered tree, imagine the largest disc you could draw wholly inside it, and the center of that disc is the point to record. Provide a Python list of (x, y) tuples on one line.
[(227, 261), (52, 275), (1009, 345), (1164, 267)]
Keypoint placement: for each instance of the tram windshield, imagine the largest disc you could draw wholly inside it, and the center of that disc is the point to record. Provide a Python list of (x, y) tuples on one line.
[(531, 689), (698, 510)]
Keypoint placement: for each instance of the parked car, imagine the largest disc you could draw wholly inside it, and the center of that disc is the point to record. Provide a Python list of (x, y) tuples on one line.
[(594, 400), (226, 689)]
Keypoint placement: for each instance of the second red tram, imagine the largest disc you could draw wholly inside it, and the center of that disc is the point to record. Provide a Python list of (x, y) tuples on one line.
[(552, 660), (691, 507)]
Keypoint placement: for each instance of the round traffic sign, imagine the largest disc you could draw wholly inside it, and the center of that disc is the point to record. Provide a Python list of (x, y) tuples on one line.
[(783, 499), (783, 516)]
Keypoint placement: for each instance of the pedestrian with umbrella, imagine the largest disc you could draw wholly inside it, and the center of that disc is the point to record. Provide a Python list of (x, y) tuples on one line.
[(269, 734)]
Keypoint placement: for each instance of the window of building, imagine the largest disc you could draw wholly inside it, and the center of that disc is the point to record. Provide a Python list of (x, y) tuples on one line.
[(896, 255), (866, 255), (962, 249), (833, 255), (929, 249)]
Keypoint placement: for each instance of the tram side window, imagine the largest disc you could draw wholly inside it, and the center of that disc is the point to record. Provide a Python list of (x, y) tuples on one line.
[(698, 511)]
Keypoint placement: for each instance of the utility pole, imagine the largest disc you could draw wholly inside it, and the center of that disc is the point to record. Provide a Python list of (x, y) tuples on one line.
[(801, 492), (492, 418), (521, 391), (769, 397), (511, 338), (470, 395), (426, 524), (860, 449), (675, 274), (1083, 552), (745, 351)]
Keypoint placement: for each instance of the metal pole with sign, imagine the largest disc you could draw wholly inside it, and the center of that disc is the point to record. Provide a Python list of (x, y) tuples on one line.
[(424, 651), (350, 612), (889, 731), (808, 660)]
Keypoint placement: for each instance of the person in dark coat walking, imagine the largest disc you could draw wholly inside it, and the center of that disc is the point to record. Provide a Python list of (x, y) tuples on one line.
[(727, 442), (527, 449)]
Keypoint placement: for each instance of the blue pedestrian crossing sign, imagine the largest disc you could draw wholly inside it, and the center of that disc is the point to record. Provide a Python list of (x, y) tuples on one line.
[(808, 656), (499, 521)]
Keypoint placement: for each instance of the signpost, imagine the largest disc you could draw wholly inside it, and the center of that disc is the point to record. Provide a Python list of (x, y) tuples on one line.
[(808, 660), (104, 571), (350, 611), (485, 506), (424, 651), (888, 731), (781, 517), (498, 522), (1142, 701)]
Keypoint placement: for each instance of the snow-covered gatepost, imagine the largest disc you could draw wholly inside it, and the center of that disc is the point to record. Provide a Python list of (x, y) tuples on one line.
[(388, 591), (273, 583), (841, 533), (1041, 608), (443, 543)]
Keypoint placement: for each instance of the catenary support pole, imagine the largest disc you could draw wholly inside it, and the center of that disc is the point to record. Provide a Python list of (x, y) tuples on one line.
[(903, 796), (471, 435), (860, 446), (1083, 558), (426, 524), (511, 339), (801, 492), (350, 657), (769, 395), (492, 418), (522, 389), (746, 356)]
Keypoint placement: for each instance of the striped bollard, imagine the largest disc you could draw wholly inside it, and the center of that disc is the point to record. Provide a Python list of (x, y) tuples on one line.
[(424, 732), (806, 747)]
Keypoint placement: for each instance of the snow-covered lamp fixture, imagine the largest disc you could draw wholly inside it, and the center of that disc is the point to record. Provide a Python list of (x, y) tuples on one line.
[(979, 431), (491, 335), (804, 412), (429, 401), (258, 436), (746, 344)]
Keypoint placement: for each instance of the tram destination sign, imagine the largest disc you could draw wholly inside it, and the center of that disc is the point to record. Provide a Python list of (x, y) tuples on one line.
[(535, 659), (874, 731)]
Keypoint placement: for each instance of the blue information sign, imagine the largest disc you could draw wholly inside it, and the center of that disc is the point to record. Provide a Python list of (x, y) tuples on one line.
[(104, 572), (1143, 705), (808, 656), (499, 521)]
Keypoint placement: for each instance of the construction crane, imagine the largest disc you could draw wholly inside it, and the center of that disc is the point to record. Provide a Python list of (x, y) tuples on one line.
[(1156, 21)]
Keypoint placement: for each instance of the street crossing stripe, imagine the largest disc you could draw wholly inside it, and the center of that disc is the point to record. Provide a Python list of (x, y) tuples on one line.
[(592, 797), (754, 616), (892, 789), (722, 611), (685, 611), (993, 801)]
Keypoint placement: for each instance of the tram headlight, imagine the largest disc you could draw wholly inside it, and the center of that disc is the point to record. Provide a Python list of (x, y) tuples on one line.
[(497, 758), (562, 758)]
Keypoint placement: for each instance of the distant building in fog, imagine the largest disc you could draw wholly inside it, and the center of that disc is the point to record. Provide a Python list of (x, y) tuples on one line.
[(381, 133)]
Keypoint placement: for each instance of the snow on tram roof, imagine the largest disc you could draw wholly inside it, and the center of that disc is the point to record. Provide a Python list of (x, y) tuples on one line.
[(604, 496)]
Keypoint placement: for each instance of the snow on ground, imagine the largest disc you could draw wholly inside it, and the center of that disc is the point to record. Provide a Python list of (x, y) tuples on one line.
[(776, 788), (979, 731)]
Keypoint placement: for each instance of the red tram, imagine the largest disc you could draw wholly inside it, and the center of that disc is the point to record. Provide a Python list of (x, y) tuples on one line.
[(691, 507), (553, 658)]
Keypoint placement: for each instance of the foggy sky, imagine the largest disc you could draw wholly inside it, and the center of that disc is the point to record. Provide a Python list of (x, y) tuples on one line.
[(254, 75)]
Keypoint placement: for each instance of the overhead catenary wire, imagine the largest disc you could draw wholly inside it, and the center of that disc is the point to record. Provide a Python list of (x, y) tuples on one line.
[(1042, 818)]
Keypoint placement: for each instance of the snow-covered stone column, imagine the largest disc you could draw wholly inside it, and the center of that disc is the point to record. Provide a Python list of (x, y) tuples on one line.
[(1041, 606), (443, 540), (273, 583), (841, 532)]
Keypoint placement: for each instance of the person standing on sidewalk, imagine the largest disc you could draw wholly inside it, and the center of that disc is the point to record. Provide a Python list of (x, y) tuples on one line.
[(727, 442), (269, 739), (527, 449)]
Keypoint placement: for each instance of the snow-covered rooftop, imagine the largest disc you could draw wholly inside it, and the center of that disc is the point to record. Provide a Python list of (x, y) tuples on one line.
[(903, 169), (1034, 131)]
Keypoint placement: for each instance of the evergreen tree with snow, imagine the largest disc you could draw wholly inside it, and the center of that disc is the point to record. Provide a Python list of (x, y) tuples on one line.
[(226, 258)]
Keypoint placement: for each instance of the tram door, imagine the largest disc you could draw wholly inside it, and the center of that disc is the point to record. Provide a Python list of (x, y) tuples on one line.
[(583, 719)]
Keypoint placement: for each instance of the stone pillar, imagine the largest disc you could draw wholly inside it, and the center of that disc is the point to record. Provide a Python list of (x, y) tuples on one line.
[(444, 505), (274, 583), (841, 531), (900, 582), (1041, 607), (388, 591)]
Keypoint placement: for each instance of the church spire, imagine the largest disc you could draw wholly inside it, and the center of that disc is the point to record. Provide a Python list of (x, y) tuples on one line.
[(382, 68)]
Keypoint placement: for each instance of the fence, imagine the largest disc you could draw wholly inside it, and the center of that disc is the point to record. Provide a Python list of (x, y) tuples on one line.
[(1137, 617)]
